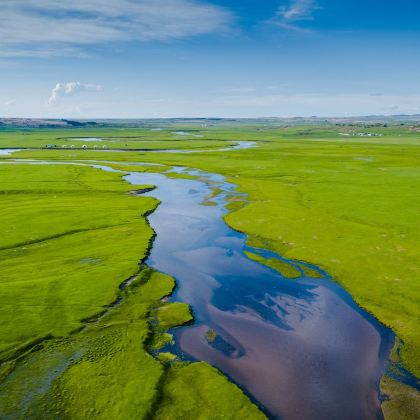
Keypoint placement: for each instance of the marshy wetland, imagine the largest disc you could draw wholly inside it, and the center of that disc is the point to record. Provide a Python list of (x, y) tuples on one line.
[(288, 265)]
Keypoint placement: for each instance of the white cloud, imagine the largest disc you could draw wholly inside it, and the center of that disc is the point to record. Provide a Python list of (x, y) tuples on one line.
[(71, 88), (298, 10), (289, 17), (55, 27), (10, 102)]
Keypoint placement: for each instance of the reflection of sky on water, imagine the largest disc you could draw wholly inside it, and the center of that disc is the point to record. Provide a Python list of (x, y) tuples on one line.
[(300, 344)]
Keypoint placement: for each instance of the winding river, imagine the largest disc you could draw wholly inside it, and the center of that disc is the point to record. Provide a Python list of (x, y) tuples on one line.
[(300, 348)]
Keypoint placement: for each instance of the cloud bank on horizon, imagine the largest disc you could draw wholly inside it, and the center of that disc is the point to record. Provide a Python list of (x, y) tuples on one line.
[(153, 58)]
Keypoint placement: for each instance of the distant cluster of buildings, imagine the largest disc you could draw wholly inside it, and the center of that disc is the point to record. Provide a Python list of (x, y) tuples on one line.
[(362, 134), (367, 134)]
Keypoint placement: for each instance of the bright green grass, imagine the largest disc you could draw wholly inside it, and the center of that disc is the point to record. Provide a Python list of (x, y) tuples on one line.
[(213, 397), (173, 314), (102, 372), (282, 267), (106, 372), (349, 205), (69, 236)]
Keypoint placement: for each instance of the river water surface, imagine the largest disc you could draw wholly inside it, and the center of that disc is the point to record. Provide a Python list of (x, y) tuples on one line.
[(301, 348)]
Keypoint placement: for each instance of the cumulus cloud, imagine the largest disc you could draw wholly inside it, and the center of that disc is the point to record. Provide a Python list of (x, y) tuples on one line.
[(55, 27), (71, 88), (297, 11)]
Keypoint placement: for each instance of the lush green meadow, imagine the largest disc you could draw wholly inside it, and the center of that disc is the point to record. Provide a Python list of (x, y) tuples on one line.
[(70, 236), (346, 203)]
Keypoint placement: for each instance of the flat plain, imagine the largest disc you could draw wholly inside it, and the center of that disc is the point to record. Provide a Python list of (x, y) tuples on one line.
[(71, 235)]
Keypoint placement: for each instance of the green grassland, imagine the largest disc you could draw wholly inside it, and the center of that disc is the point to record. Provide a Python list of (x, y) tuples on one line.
[(105, 371), (347, 204), (70, 236)]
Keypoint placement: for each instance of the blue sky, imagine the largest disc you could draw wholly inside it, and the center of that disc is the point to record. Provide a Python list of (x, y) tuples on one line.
[(202, 58)]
